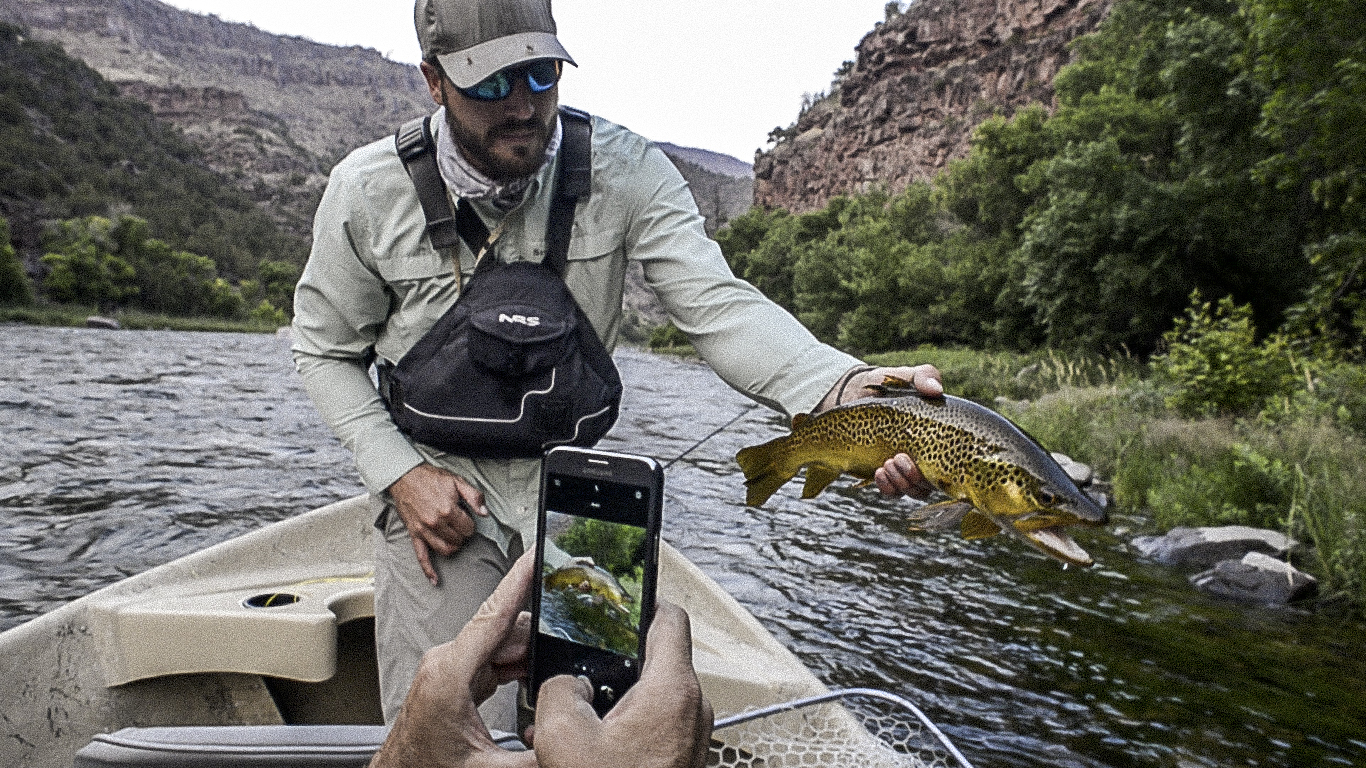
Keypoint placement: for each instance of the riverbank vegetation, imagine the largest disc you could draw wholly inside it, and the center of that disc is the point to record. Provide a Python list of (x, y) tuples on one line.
[(1185, 231), (103, 204)]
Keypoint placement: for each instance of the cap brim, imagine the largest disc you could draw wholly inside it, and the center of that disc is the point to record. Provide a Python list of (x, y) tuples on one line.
[(466, 68)]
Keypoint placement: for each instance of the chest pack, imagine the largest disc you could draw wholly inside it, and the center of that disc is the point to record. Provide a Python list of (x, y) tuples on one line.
[(514, 368)]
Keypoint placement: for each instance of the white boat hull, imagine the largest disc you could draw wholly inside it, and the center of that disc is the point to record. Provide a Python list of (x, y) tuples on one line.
[(182, 644)]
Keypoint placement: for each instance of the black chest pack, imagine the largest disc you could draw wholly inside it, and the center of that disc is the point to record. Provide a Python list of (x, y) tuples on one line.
[(514, 368)]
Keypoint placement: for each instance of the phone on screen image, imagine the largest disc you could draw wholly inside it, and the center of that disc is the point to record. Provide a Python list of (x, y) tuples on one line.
[(597, 555)]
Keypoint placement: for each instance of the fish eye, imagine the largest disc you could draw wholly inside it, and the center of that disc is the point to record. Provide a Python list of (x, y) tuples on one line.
[(1048, 497)]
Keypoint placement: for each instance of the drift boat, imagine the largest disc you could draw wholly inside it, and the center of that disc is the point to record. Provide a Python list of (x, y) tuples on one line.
[(260, 651)]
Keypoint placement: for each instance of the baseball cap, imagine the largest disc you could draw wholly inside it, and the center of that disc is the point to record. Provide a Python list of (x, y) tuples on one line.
[(476, 38)]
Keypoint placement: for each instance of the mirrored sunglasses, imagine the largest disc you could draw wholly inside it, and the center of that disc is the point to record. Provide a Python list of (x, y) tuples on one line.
[(540, 76)]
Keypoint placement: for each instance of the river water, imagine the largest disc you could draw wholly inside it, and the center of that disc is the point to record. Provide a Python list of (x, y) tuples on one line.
[(123, 450)]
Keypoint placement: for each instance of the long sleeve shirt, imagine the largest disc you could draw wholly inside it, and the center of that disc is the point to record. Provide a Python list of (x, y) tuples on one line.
[(374, 282)]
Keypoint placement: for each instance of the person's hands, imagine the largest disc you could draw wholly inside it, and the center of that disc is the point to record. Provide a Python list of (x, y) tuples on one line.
[(897, 476), (664, 721), (436, 506), (439, 724)]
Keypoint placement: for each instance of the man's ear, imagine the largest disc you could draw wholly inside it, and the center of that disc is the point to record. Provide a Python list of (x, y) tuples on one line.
[(435, 81)]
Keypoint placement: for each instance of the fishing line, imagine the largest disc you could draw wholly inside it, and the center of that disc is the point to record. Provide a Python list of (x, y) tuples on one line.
[(714, 433)]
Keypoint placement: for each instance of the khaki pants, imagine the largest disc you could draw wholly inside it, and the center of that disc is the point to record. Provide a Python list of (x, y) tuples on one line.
[(411, 615)]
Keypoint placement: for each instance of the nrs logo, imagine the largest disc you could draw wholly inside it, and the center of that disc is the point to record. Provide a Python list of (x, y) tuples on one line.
[(530, 322)]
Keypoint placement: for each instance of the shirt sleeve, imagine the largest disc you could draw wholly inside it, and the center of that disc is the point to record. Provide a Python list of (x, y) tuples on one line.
[(340, 305), (754, 345)]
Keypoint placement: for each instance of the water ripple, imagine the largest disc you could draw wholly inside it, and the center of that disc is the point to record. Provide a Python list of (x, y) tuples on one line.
[(125, 450)]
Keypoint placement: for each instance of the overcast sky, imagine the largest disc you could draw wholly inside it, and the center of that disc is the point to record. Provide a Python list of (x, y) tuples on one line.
[(714, 74)]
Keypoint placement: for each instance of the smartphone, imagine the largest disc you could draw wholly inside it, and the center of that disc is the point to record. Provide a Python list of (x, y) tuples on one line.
[(597, 557)]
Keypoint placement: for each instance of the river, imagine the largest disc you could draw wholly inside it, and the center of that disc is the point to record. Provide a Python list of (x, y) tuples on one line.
[(123, 450)]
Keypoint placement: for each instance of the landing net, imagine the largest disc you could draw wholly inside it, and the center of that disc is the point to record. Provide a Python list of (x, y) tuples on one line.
[(859, 727)]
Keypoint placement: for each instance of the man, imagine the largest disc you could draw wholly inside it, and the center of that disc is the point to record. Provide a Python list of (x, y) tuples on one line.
[(451, 525), (662, 722)]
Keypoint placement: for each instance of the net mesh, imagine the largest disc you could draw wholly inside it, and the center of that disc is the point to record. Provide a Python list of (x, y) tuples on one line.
[(851, 730)]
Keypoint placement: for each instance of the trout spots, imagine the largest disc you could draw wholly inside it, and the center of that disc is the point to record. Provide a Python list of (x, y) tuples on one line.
[(969, 452)]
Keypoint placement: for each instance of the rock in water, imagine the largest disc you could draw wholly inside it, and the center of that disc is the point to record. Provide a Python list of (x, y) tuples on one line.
[(1257, 578), (1203, 547)]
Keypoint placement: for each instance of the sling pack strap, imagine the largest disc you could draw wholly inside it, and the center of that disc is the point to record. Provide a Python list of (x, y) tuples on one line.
[(417, 150)]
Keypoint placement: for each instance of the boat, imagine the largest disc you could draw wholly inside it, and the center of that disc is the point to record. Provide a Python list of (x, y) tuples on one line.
[(260, 651)]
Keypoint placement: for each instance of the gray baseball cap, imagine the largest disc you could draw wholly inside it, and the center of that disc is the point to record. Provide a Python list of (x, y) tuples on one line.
[(475, 38)]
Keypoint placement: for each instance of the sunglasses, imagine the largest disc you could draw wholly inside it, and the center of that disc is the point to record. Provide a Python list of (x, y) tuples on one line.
[(540, 76)]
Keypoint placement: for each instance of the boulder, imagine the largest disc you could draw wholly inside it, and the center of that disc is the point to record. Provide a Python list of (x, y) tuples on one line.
[(1257, 578), (1081, 474), (1203, 547)]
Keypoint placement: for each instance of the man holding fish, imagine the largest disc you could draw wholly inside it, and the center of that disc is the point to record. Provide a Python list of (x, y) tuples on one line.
[(451, 525)]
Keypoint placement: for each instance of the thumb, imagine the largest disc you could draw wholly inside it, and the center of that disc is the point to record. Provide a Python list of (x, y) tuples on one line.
[(563, 692), (564, 711)]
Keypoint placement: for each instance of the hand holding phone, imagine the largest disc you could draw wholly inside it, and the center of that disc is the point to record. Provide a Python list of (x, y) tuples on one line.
[(597, 553)]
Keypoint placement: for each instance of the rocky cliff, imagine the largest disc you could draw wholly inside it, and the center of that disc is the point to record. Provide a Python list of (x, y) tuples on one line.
[(921, 82), (276, 112)]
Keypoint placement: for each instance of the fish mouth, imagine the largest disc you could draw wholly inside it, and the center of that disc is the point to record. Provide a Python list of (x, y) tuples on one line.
[(1054, 542)]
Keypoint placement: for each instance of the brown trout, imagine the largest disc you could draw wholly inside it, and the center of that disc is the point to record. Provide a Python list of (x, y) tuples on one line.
[(589, 579), (998, 478)]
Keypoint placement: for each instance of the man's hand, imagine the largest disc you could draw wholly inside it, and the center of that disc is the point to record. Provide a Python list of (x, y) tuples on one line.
[(436, 506), (439, 724), (898, 476), (662, 722)]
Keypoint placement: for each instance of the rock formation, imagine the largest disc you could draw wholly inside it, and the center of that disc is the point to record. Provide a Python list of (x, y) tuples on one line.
[(922, 81), (275, 113)]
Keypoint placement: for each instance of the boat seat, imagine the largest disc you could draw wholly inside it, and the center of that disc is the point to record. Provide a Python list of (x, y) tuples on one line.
[(243, 746)]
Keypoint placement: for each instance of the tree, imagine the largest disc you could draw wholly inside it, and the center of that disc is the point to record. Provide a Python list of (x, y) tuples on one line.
[(1311, 57), (15, 287)]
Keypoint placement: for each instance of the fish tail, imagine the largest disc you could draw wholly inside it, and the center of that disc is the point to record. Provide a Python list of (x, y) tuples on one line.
[(766, 469)]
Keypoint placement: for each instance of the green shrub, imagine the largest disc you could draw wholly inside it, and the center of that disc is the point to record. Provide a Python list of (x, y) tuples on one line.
[(667, 336), (15, 288), (1215, 364)]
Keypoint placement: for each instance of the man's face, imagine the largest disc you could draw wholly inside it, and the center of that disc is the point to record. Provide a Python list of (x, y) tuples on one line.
[(504, 139)]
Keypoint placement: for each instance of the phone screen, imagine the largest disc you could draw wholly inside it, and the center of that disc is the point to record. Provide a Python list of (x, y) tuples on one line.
[(596, 592)]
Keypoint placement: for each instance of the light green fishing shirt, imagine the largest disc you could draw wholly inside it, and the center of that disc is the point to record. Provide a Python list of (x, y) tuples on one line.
[(374, 281)]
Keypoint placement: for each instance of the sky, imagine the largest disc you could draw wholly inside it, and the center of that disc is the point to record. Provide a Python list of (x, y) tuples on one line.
[(712, 74)]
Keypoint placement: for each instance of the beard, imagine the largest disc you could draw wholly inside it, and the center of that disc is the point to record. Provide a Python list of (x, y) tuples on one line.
[(517, 160)]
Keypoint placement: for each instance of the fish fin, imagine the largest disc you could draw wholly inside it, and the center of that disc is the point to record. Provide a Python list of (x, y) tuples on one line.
[(817, 477), (764, 470), (891, 386), (799, 420), (978, 526), (938, 516)]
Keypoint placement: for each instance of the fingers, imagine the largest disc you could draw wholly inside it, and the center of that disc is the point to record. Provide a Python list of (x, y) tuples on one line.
[(664, 720), (566, 725), (566, 694), (499, 614), (925, 378), (469, 498), (668, 645), (438, 509), (495, 642), (424, 560), (899, 476), (928, 381)]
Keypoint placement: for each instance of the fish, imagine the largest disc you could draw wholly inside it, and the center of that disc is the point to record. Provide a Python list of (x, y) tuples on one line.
[(590, 580), (997, 478)]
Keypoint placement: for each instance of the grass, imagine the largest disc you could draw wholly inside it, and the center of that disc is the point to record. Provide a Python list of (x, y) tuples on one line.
[(75, 316), (1295, 467)]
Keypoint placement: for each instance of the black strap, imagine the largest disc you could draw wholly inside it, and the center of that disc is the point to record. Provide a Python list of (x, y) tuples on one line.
[(417, 150), (575, 181)]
